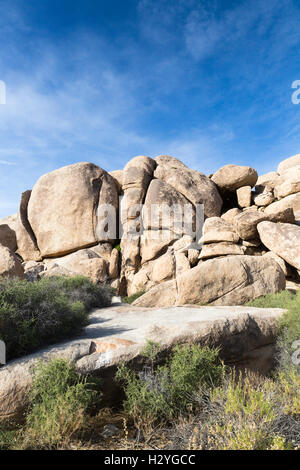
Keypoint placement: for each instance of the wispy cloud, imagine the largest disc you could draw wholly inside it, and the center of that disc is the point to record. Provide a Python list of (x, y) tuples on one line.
[(209, 86)]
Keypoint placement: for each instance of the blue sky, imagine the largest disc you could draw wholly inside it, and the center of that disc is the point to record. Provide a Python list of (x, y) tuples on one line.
[(208, 82)]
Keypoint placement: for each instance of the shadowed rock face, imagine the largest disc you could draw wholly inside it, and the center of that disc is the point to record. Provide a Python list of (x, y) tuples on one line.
[(10, 265), (244, 335), (8, 237)]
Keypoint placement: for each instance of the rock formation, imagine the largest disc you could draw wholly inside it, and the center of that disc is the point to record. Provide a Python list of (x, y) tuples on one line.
[(122, 228)]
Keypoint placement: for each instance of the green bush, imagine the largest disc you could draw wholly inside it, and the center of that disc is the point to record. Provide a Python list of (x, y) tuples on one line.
[(289, 323), (59, 399), (280, 300), (33, 314), (133, 297), (159, 394)]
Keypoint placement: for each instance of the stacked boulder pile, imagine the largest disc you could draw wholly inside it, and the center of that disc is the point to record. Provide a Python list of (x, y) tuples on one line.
[(249, 245)]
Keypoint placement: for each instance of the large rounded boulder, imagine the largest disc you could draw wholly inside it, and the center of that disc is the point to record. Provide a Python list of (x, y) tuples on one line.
[(193, 185), (64, 209)]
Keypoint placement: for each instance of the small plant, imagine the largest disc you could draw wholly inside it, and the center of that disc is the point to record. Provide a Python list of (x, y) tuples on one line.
[(289, 323), (162, 393), (133, 297), (244, 413), (59, 399)]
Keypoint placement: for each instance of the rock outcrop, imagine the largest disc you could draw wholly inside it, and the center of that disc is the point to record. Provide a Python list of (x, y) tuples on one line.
[(68, 224), (245, 336)]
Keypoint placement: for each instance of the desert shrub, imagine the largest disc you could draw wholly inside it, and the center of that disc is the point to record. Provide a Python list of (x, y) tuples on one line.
[(280, 300), (244, 413), (289, 324), (133, 297), (59, 400), (33, 314), (158, 394)]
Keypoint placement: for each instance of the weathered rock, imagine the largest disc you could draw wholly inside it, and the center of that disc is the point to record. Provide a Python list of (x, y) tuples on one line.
[(232, 280), (193, 256), (230, 215), (104, 250), (65, 208), (244, 195), (95, 269), (270, 179), (282, 239), (233, 177), (246, 223), (245, 336), (161, 227), (285, 216), (255, 251), (10, 265), (54, 270), (263, 196), (192, 184), (10, 220), (32, 270), (114, 264), (26, 240), (290, 184), (142, 280), (289, 202), (118, 177), (216, 229), (251, 243), (164, 268), (163, 295), (157, 214), (85, 263), (220, 249), (280, 261), (183, 243), (288, 163), (182, 263), (8, 237), (137, 175)]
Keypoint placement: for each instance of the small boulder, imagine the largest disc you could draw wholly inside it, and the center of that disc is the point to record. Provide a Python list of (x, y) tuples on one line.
[(10, 265), (244, 195), (233, 177), (282, 239), (216, 229), (220, 249)]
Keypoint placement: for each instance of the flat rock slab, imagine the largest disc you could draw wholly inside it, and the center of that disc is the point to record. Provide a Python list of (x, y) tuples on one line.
[(117, 334)]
